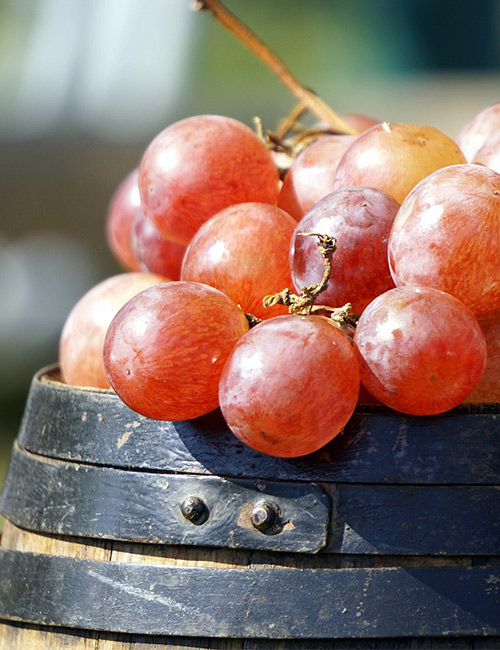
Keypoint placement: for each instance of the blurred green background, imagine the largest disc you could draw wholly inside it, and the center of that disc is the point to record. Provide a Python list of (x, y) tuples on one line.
[(85, 85)]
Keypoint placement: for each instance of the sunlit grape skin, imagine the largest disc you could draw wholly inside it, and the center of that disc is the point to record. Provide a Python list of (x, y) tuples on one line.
[(421, 351), (153, 252), (489, 153), (311, 175), (360, 219), (120, 217), (243, 251), (290, 385), (478, 129), (165, 349), (446, 235), (394, 157), (82, 337), (199, 165)]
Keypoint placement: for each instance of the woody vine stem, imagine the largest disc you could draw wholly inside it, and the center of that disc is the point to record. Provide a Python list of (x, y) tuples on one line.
[(306, 97), (308, 100)]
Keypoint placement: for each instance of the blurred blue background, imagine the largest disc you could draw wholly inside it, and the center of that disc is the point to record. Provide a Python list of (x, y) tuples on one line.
[(85, 84)]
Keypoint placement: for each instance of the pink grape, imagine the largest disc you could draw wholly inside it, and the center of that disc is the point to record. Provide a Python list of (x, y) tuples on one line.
[(421, 351), (290, 385), (82, 337), (478, 129), (243, 251), (153, 252), (446, 235), (200, 165), (489, 153), (122, 210), (358, 121), (311, 175), (394, 157), (360, 219), (165, 349)]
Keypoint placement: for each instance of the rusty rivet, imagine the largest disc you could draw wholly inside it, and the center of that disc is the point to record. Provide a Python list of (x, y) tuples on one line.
[(264, 517), (193, 508)]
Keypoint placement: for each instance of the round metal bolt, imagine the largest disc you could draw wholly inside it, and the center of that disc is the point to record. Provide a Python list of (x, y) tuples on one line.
[(193, 508), (264, 517)]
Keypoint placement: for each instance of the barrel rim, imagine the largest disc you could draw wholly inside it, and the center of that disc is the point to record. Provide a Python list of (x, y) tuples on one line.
[(51, 375), (378, 445)]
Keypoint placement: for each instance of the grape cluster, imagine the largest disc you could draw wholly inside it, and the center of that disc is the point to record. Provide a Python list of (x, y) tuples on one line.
[(229, 299)]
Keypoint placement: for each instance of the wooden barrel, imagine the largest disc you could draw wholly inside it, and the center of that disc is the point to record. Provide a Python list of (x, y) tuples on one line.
[(124, 533)]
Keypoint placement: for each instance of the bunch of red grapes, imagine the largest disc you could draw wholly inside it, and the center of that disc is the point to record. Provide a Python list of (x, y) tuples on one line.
[(207, 227)]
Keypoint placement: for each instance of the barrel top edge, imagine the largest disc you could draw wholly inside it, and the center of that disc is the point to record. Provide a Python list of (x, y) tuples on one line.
[(50, 375)]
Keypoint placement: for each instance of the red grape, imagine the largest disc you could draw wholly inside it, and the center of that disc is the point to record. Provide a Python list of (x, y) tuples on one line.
[(243, 251), (489, 153), (446, 235), (165, 349), (200, 165), (478, 129), (311, 175), (153, 252), (290, 385), (82, 337), (395, 157), (122, 210), (360, 219), (359, 121), (365, 397), (488, 388), (421, 350)]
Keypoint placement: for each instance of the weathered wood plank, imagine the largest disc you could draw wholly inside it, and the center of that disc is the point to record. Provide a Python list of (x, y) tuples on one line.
[(30, 637)]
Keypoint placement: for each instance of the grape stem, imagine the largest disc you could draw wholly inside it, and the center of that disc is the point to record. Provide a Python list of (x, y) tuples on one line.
[(293, 144), (288, 124), (252, 320), (303, 303), (308, 99)]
